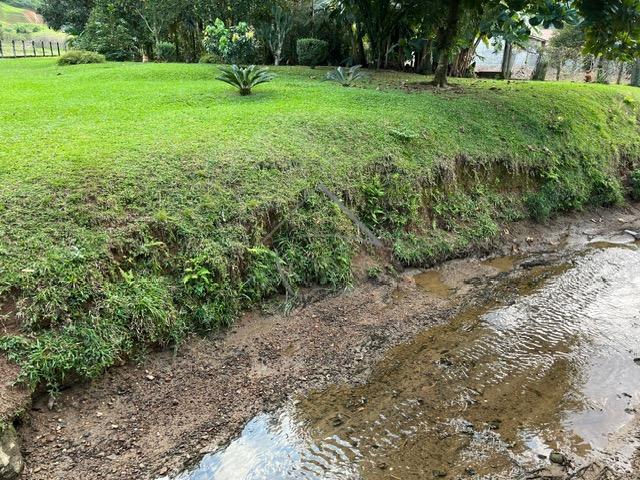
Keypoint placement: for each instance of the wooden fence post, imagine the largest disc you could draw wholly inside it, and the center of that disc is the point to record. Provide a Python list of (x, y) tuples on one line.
[(13, 44), (33, 45), (1, 52), (51, 48), (44, 54), (24, 49), (58, 46)]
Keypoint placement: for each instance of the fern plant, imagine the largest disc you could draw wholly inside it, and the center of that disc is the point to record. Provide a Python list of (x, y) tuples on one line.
[(244, 78), (346, 77)]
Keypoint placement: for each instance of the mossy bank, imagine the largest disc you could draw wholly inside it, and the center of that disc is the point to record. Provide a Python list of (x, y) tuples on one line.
[(143, 202)]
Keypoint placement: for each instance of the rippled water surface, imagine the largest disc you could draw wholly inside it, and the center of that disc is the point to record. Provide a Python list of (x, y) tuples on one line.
[(549, 365)]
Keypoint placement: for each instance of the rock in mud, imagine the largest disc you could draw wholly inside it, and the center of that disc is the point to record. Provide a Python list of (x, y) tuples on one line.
[(11, 463), (557, 458)]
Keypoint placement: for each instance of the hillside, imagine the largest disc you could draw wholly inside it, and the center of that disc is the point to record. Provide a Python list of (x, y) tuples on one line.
[(139, 202), (12, 14), (19, 23)]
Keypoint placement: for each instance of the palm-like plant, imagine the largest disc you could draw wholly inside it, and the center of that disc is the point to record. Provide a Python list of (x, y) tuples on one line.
[(244, 78), (346, 77)]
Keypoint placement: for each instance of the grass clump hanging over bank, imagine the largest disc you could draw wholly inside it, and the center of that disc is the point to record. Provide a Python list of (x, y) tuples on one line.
[(142, 202)]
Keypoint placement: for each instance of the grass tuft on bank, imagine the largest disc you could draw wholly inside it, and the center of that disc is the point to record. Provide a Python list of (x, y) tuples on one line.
[(140, 203)]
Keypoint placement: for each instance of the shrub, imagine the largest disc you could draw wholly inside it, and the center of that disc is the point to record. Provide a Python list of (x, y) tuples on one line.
[(80, 57), (312, 52), (236, 44), (540, 204), (211, 58), (346, 77), (166, 52), (244, 79)]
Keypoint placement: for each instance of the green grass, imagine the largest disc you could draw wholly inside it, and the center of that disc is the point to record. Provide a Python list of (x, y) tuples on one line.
[(136, 200)]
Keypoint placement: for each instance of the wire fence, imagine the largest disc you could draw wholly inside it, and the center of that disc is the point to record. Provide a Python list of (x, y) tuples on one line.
[(31, 48)]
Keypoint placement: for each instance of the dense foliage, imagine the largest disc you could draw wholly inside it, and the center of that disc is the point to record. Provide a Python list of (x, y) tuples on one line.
[(427, 35), (30, 4), (236, 44), (312, 52)]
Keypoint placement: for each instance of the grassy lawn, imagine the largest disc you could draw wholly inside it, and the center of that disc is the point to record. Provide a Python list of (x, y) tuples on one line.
[(135, 198)]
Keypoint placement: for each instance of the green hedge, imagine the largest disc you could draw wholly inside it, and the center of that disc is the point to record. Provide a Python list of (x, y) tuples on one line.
[(312, 52), (80, 57)]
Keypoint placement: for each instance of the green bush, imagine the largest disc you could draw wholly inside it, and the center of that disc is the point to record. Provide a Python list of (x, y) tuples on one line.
[(144, 306), (80, 57), (540, 204), (312, 52), (213, 58), (572, 189), (166, 52), (236, 44)]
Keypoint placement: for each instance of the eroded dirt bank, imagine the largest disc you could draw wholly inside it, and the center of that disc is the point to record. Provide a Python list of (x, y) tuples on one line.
[(154, 419)]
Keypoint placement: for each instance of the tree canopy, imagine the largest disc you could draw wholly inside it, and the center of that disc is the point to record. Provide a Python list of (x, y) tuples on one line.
[(431, 35)]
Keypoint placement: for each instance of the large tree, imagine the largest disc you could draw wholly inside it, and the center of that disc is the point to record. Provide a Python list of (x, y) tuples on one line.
[(70, 15), (508, 18), (612, 27)]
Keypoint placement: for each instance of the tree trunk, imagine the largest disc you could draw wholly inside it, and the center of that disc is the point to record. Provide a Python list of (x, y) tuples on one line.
[(427, 63), (635, 75), (446, 38), (602, 73), (620, 72), (507, 60), (362, 54), (386, 53)]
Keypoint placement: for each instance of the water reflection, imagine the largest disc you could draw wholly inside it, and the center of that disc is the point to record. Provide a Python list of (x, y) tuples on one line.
[(275, 447), (489, 393)]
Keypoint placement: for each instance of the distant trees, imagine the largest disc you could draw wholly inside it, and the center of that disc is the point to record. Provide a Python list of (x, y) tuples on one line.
[(72, 15), (439, 36), (565, 47)]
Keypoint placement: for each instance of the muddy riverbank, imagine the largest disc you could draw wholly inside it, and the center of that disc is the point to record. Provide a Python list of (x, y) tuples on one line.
[(160, 417)]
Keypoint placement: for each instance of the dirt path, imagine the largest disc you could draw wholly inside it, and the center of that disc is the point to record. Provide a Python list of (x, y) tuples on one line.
[(156, 418)]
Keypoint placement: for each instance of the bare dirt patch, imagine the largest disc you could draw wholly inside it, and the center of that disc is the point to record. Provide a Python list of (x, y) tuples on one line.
[(33, 17)]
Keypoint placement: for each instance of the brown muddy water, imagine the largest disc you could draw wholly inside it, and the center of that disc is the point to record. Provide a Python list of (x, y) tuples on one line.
[(549, 364)]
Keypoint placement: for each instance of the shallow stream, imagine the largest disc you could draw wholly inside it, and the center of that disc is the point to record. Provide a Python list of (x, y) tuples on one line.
[(549, 364)]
